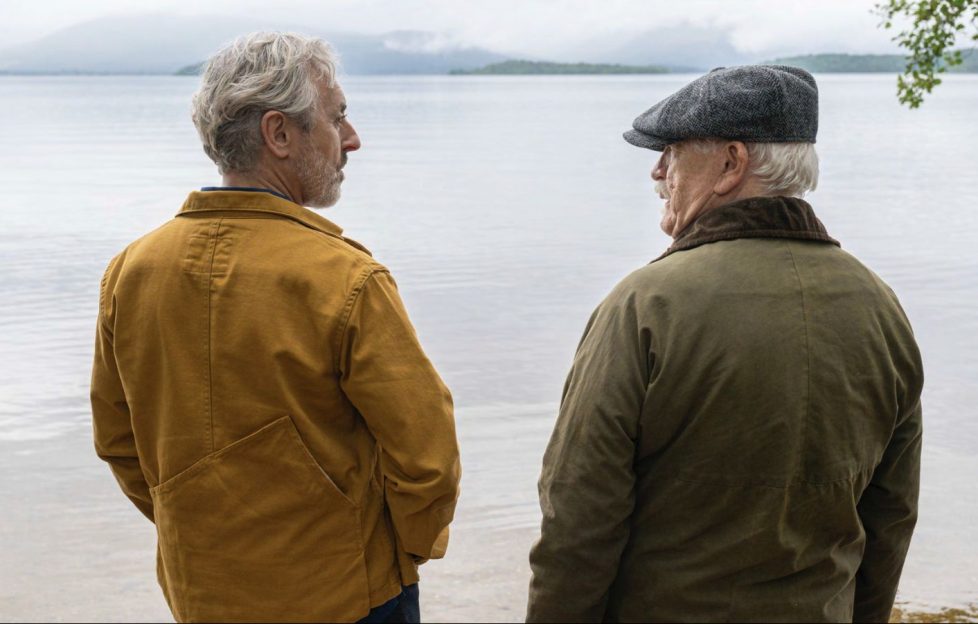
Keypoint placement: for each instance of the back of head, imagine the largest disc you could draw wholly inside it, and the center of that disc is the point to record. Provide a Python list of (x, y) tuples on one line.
[(788, 169), (771, 109), (780, 168), (253, 74)]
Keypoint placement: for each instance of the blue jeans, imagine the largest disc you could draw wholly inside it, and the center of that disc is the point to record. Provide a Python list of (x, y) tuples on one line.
[(405, 608)]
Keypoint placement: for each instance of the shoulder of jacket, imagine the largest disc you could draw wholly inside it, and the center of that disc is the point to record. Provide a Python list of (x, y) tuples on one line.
[(109, 277), (117, 263), (338, 246), (651, 275)]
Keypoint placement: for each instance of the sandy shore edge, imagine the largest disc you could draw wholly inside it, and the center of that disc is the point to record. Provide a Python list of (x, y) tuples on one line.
[(903, 613)]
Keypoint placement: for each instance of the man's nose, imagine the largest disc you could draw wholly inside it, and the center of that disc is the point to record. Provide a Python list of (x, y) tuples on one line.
[(658, 171), (351, 142)]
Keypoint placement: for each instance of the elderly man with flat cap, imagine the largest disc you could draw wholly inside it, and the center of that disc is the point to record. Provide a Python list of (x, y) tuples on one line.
[(739, 435)]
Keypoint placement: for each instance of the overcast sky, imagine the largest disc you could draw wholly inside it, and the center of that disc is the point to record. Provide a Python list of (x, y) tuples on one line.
[(532, 27)]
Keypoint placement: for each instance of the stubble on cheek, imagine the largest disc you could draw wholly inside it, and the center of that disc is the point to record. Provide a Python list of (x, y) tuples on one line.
[(320, 181)]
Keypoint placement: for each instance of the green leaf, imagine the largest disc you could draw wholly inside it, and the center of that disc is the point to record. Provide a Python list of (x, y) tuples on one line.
[(936, 25)]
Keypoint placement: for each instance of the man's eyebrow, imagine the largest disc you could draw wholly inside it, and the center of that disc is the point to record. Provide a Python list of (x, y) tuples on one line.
[(343, 107)]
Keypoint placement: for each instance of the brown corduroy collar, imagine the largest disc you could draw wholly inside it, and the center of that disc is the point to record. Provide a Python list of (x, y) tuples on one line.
[(754, 217)]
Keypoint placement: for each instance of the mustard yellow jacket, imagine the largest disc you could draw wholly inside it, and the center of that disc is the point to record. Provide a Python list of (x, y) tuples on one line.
[(261, 395)]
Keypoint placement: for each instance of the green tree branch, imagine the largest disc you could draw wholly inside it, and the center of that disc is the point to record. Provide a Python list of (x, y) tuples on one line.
[(935, 27)]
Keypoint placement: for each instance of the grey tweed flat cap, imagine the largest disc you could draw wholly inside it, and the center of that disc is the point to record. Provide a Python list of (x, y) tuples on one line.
[(753, 103)]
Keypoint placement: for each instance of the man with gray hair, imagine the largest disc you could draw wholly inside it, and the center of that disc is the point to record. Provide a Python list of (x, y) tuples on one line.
[(258, 389), (739, 435)]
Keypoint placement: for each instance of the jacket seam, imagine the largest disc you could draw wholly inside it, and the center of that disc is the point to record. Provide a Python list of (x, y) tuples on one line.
[(215, 240), (347, 312), (101, 294), (103, 288), (808, 350)]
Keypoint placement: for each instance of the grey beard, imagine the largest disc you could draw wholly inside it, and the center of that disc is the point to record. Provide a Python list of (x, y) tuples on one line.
[(320, 182)]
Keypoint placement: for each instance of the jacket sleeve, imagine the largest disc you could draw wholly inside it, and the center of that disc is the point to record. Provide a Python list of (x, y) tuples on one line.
[(888, 511), (404, 403), (114, 440), (588, 478)]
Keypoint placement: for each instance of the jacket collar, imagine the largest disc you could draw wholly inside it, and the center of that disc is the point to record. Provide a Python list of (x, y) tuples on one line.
[(754, 217), (203, 202)]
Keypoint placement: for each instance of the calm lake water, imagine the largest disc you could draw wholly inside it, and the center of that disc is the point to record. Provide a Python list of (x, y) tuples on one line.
[(506, 208)]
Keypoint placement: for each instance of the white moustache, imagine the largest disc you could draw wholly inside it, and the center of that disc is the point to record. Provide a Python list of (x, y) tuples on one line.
[(663, 192), (660, 188)]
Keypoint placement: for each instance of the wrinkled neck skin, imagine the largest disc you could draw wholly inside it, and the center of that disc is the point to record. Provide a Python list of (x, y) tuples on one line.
[(708, 200), (276, 178)]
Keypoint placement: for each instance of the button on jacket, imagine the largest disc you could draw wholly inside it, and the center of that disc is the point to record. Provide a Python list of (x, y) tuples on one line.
[(261, 395), (739, 436)]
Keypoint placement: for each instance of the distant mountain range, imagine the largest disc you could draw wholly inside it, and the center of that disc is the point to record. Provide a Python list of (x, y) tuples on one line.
[(163, 44), (865, 63), (521, 67), (816, 63), (167, 44)]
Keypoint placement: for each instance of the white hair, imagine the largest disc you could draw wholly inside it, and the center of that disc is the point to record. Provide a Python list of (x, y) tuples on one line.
[(784, 168), (789, 169), (252, 75)]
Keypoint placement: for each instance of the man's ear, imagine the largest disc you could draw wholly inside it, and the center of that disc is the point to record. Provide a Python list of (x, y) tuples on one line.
[(277, 134), (734, 169)]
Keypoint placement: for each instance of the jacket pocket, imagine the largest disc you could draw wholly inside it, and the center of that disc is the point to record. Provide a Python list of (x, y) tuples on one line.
[(258, 532)]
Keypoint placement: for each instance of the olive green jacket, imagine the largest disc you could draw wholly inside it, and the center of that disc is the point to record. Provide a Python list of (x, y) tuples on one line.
[(261, 395), (739, 436)]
